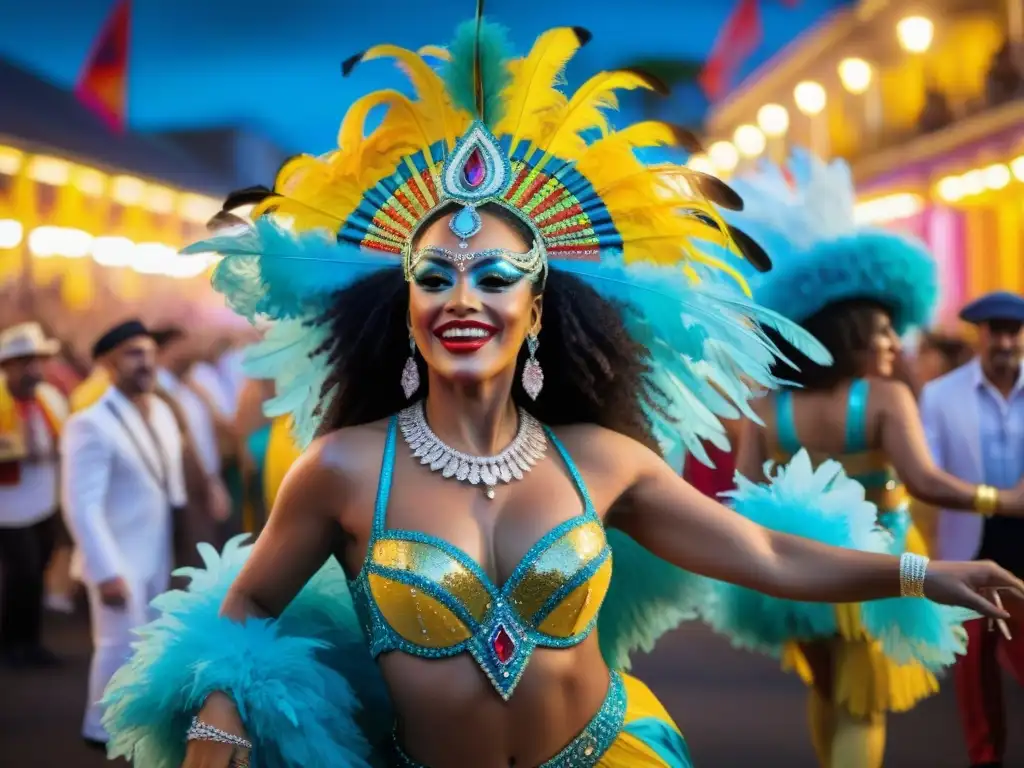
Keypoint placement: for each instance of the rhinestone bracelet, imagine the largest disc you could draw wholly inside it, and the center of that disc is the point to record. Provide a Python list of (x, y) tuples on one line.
[(200, 731), (913, 569)]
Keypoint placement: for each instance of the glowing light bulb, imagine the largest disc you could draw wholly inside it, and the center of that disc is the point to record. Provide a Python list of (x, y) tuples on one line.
[(855, 75), (810, 97), (749, 140), (773, 119), (915, 33), (724, 156)]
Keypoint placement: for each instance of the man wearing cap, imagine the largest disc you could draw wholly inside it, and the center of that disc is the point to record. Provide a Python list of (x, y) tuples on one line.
[(32, 414), (974, 420), (122, 481)]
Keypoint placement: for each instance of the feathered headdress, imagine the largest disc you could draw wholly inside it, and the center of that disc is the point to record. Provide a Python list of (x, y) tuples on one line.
[(803, 216), (488, 127)]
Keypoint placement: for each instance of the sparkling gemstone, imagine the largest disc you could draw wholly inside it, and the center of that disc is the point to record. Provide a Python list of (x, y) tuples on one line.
[(474, 170), (504, 645), (466, 223)]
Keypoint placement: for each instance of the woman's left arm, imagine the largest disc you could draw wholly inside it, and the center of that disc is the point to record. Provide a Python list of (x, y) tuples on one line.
[(667, 516)]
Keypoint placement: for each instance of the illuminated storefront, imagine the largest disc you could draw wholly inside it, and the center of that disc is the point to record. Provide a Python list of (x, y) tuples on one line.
[(914, 103)]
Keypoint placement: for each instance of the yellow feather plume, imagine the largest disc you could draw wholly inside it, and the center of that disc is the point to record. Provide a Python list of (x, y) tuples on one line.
[(434, 52), (532, 97), (584, 112), (434, 100)]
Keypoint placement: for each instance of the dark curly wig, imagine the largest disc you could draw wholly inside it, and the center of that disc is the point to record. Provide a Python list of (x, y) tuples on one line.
[(594, 371), (845, 328)]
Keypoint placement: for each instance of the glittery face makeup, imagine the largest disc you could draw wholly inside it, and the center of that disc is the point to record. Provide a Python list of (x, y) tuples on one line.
[(470, 310), (487, 270)]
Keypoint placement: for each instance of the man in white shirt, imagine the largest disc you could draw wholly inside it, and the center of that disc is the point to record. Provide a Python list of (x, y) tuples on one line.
[(31, 416), (122, 482), (974, 420)]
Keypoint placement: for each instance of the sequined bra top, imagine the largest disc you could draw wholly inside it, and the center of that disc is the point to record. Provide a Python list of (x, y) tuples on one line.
[(421, 595), (870, 468)]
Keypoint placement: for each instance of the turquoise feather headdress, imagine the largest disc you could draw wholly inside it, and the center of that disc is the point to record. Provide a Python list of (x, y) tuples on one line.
[(499, 127), (803, 217)]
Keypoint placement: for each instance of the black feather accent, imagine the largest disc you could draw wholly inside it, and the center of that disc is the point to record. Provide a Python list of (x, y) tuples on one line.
[(583, 35), (248, 196), (717, 191), (657, 85), (686, 138), (752, 252), (223, 219), (350, 63)]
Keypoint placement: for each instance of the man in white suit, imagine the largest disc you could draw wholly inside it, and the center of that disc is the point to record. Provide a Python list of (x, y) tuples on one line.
[(974, 420), (122, 481)]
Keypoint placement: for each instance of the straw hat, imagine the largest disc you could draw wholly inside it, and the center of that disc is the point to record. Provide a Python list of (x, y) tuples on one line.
[(26, 340)]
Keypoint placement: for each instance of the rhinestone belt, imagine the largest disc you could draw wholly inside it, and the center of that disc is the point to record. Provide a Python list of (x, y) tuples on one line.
[(587, 748)]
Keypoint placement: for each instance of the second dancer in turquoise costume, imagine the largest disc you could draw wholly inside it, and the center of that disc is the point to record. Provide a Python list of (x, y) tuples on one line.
[(857, 289)]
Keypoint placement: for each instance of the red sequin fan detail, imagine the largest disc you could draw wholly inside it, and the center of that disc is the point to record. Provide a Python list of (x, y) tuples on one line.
[(474, 171), (504, 645)]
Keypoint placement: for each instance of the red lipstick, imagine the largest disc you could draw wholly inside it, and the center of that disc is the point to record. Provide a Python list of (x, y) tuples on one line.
[(464, 337)]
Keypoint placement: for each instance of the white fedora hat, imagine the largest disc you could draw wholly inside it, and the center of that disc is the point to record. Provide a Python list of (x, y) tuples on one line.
[(26, 340)]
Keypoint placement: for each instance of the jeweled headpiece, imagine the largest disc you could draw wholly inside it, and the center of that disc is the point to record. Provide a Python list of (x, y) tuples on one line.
[(491, 128)]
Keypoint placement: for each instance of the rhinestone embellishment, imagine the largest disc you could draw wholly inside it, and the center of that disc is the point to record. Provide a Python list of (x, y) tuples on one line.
[(503, 644), (474, 171), (525, 450)]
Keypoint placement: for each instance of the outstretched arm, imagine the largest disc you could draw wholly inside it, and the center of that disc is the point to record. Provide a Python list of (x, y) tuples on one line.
[(671, 519), (905, 442)]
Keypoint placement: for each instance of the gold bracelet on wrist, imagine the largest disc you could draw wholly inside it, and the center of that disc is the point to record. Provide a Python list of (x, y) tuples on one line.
[(986, 500)]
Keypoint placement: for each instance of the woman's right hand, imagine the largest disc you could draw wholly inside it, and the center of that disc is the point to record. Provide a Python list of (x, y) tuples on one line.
[(220, 712)]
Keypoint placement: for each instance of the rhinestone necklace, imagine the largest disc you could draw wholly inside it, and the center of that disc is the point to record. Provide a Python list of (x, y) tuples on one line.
[(522, 453)]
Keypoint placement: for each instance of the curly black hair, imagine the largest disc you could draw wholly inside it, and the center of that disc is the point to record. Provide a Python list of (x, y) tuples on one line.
[(595, 372), (845, 328)]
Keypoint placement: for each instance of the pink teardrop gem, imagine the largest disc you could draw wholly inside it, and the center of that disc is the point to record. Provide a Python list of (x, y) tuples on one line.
[(474, 171)]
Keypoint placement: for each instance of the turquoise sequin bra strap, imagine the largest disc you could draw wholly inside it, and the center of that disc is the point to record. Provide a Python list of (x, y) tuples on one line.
[(577, 478), (785, 423), (857, 416), (387, 471)]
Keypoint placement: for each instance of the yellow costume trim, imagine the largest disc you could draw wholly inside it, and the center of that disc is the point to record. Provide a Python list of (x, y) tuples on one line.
[(629, 750), (865, 682)]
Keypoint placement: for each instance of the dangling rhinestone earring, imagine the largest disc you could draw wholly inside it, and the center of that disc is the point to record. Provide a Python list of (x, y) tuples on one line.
[(411, 371), (533, 374)]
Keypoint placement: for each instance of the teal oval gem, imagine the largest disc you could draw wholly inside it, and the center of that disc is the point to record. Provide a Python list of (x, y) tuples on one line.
[(465, 223)]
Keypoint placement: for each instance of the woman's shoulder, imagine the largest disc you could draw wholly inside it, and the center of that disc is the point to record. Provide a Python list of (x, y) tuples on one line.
[(598, 447), (347, 452)]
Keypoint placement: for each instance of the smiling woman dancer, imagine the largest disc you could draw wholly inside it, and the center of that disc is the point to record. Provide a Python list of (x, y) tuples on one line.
[(492, 404)]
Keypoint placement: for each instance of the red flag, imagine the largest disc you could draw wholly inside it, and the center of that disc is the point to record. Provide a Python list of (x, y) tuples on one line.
[(737, 39), (102, 86)]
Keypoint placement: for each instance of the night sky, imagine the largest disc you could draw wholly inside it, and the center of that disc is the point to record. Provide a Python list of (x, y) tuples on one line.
[(274, 68)]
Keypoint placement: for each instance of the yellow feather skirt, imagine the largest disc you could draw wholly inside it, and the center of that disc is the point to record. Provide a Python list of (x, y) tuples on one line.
[(864, 681)]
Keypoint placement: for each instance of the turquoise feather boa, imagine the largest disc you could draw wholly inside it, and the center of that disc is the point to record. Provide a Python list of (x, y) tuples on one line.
[(825, 505), (306, 688)]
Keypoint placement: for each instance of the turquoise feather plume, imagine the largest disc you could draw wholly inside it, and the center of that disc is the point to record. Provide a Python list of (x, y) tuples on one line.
[(708, 351), (478, 72), (267, 270)]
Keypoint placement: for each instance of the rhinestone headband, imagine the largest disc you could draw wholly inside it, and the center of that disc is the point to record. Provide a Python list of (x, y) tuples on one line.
[(477, 172)]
